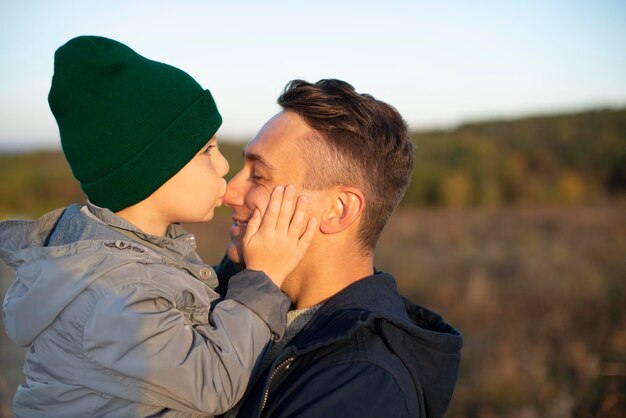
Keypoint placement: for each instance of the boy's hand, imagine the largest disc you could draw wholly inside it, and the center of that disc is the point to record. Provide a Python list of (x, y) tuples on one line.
[(276, 243)]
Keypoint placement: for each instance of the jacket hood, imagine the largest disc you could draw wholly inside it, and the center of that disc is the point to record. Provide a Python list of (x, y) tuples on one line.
[(41, 289), (429, 347)]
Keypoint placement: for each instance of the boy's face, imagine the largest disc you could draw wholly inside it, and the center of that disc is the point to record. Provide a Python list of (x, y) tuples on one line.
[(196, 190)]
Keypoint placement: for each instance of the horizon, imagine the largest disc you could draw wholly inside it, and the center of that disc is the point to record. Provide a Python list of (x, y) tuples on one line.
[(55, 145)]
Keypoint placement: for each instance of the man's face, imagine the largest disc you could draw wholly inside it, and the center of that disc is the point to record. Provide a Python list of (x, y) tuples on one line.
[(271, 159)]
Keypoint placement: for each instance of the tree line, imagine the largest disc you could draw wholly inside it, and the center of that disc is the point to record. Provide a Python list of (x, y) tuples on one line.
[(567, 158)]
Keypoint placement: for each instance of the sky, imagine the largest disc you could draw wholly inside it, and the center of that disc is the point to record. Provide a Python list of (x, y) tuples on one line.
[(440, 63)]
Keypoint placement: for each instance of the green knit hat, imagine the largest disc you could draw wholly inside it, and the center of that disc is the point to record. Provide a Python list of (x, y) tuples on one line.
[(127, 124)]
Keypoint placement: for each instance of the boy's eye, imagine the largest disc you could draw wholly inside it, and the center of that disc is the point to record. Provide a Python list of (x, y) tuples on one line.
[(207, 150)]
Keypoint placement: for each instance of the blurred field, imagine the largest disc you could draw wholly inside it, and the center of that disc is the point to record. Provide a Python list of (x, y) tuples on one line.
[(514, 231), (539, 295)]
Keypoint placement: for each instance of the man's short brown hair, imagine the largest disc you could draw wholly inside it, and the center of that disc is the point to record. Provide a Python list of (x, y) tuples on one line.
[(359, 141)]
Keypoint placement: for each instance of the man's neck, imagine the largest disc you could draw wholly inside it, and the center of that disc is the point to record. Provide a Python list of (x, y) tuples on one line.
[(315, 281)]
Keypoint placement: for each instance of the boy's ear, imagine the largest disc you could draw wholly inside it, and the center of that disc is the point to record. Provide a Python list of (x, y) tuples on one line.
[(346, 208)]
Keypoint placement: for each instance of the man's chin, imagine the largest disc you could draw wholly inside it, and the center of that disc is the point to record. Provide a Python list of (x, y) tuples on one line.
[(234, 253)]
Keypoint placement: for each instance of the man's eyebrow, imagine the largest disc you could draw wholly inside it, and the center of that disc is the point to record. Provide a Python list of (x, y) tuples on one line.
[(256, 158)]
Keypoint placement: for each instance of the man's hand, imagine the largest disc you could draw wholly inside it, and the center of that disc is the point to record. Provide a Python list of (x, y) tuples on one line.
[(276, 243)]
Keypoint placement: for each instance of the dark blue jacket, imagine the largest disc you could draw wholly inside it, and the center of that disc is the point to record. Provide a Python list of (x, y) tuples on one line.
[(367, 352)]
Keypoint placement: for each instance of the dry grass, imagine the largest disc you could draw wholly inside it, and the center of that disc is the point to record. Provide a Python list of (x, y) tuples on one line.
[(539, 295)]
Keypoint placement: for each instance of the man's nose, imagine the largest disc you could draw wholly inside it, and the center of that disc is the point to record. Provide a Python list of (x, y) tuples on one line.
[(235, 191)]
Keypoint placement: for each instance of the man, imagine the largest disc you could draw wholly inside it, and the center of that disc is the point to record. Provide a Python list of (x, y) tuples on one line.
[(353, 347)]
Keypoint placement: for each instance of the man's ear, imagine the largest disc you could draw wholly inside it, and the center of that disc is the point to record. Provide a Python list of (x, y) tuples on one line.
[(346, 208)]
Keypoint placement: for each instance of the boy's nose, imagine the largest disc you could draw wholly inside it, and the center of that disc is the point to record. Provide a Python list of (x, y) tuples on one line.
[(225, 167)]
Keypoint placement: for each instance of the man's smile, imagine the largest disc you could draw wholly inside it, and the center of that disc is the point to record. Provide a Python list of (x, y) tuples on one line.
[(239, 226)]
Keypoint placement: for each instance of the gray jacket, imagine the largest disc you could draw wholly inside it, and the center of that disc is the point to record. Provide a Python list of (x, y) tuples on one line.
[(122, 324)]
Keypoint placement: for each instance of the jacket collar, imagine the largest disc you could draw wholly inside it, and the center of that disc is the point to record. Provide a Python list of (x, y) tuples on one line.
[(358, 305), (177, 243), (350, 309)]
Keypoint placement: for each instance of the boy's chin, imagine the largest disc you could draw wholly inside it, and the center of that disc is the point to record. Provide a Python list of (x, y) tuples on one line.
[(199, 219)]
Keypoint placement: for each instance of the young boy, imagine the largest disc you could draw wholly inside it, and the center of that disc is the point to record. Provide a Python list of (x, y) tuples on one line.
[(117, 310)]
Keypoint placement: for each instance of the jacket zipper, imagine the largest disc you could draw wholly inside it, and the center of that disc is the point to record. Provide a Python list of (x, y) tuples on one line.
[(285, 364)]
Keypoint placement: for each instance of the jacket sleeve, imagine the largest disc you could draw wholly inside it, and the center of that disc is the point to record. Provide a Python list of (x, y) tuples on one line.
[(151, 352), (351, 389)]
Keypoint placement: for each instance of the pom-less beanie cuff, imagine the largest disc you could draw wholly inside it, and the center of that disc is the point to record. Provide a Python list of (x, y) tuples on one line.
[(171, 150)]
